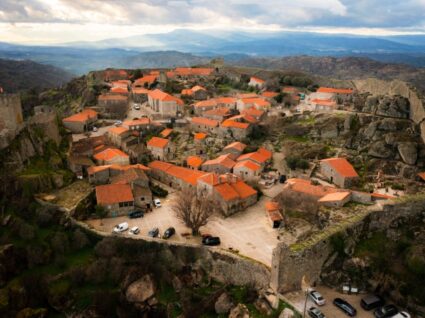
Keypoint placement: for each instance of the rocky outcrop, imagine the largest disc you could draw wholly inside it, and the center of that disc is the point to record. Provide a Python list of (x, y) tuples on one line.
[(397, 87), (141, 290), (287, 313), (408, 152), (223, 304), (240, 311)]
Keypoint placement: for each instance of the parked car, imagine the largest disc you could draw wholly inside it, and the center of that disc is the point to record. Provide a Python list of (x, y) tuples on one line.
[(211, 240), (135, 214), (345, 307), (118, 123), (154, 232), (169, 233), (120, 227), (135, 230), (94, 129), (136, 107), (282, 179), (370, 302), (402, 314), (317, 298), (314, 312), (157, 203), (386, 311)]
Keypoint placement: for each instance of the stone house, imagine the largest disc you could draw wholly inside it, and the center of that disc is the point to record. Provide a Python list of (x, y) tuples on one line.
[(235, 149), (161, 148), (220, 165), (117, 134), (247, 170), (113, 105), (80, 122), (249, 102), (230, 193), (201, 107), (111, 156), (339, 171), (273, 211), (261, 157), (117, 199), (236, 128), (110, 75), (86, 146), (196, 92), (140, 124), (258, 114), (324, 104), (199, 141), (165, 104), (79, 165), (194, 162), (256, 82), (104, 174), (201, 124), (145, 81), (218, 114)]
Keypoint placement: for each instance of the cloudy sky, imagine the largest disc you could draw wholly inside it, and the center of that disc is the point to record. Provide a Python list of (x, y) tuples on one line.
[(57, 21)]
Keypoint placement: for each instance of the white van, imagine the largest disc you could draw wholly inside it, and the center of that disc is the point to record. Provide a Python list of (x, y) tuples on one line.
[(120, 227)]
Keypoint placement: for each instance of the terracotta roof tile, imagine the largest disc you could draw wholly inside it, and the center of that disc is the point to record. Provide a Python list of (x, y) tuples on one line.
[(113, 193), (335, 90), (223, 160), (325, 102), (247, 164), (269, 94), (342, 166), (163, 96), (200, 136), (257, 79), (234, 124), (83, 116), (422, 175), (166, 132), (158, 142), (205, 121), (236, 145), (112, 97), (109, 154), (117, 130), (336, 196), (194, 161)]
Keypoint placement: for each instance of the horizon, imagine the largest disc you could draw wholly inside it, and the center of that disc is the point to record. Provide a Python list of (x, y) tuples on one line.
[(42, 22)]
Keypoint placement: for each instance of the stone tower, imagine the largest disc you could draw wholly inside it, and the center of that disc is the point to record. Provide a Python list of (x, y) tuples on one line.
[(11, 119)]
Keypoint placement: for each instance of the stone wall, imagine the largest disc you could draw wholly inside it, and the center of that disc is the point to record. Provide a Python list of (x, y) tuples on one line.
[(11, 118), (304, 261), (397, 87), (221, 265)]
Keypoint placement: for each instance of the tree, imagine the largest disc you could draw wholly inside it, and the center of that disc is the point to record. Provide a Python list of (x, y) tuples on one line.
[(100, 212), (193, 210)]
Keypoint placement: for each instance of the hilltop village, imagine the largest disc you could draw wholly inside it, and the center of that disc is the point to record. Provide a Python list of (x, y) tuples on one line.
[(244, 161)]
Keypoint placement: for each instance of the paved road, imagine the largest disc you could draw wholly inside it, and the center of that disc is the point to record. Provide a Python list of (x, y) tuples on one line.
[(329, 310)]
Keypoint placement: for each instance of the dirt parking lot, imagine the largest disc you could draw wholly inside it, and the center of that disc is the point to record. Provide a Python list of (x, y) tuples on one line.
[(329, 310), (247, 231)]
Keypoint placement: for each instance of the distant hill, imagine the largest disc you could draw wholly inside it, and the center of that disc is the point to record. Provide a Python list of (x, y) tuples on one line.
[(22, 75)]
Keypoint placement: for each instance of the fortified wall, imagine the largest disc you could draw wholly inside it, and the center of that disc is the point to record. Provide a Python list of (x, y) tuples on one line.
[(397, 87), (11, 118), (303, 261)]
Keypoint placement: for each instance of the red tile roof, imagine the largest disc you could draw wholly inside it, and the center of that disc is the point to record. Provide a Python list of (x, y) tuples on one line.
[(140, 90), (158, 142), (223, 160), (236, 145), (305, 186), (119, 90), (206, 103), (113, 193), (247, 164), (204, 121), (112, 97), (257, 101), (335, 90), (117, 130), (137, 122), (324, 102), (145, 79), (194, 161), (83, 116), (342, 166), (422, 175), (234, 124), (160, 95), (221, 111), (166, 132), (200, 136), (261, 156), (258, 80), (226, 100), (336, 196), (269, 94), (187, 175), (272, 206), (109, 154)]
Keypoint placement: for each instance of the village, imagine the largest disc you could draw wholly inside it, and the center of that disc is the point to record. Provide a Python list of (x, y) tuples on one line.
[(144, 150)]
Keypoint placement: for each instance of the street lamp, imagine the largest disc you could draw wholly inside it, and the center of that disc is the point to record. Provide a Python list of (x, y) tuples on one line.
[(305, 286)]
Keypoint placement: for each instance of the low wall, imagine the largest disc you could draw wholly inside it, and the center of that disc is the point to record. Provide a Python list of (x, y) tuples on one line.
[(303, 262), (221, 265)]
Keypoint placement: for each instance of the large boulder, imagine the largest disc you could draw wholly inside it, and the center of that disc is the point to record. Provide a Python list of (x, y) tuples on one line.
[(240, 311), (287, 313), (408, 152), (380, 150), (223, 304), (141, 290)]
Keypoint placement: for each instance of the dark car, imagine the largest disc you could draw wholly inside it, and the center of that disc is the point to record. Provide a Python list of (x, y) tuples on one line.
[(282, 179), (135, 214), (154, 232), (314, 312), (386, 311), (345, 307), (169, 233), (370, 302), (211, 240)]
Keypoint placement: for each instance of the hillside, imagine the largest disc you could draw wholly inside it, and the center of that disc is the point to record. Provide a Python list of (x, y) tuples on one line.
[(23, 75), (344, 68)]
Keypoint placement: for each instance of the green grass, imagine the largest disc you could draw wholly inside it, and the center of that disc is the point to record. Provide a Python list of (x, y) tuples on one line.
[(301, 139)]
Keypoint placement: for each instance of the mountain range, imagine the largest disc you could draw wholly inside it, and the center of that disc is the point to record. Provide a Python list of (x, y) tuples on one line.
[(159, 50)]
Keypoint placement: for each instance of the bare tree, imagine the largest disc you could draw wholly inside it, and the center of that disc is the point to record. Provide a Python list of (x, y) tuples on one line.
[(193, 210)]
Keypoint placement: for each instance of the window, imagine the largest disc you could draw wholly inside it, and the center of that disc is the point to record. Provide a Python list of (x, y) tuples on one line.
[(121, 204), (142, 199)]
